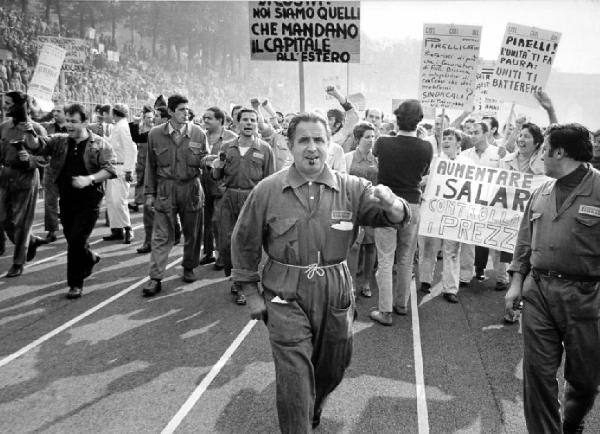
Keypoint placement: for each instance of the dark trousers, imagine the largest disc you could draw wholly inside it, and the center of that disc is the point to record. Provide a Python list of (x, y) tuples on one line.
[(78, 220), (481, 258), (231, 205), (208, 235), (17, 209), (50, 201), (559, 315)]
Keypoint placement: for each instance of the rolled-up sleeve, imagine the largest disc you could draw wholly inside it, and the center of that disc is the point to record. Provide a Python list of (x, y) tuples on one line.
[(107, 158), (247, 239), (521, 262)]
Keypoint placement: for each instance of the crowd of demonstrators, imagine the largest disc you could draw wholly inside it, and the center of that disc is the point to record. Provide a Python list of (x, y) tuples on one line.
[(235, 183)]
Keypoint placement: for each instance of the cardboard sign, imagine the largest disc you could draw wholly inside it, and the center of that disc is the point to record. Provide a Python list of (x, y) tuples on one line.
[(524, 63), (305, 31), (78, 50), (475, 204), (484, 104), (448, 65), (46, 75)]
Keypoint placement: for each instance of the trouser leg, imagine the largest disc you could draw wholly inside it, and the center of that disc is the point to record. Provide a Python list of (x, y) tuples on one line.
[(148, 221), (50, 202), (385, 243), (451, 266), (207, 235), (191, 225), (163, 237), (428, 248), (78, 225), (467, 258), (542, 352), (405, 248), (118, 210), (22, 211), (231, 205), (481, 257), (367, 257), (582, 351), (499, 267)]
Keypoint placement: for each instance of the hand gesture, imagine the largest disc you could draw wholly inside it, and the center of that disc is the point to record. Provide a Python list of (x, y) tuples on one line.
[(23, 155), (544, 100), (258, 308), (255, 103), (81, 181)]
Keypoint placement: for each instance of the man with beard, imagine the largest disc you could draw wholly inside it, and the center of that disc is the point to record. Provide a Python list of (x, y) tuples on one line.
[(84, 161), (19, 179), (242, 164), (306, 217)]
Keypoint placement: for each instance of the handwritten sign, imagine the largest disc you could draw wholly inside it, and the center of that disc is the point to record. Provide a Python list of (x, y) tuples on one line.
[(475, 204), (484, 104), (306, 31), (524, 63), (78, 50), (46, 75), (448, 65)]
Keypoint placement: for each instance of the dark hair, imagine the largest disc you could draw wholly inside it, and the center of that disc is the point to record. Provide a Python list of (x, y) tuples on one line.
[(409, 114), (147, 109), (234, 108), (191, 114), (219, 114), (120, 110), (306, 117), (337, 114), (574, 138), (76, 108), (493, 123), (98, 108), (427, 126), (174, 100), (536, 133), (17, 97), (360, 129), (164, 113), (246, 110), (484, 126), (452, 132), (105, 109)]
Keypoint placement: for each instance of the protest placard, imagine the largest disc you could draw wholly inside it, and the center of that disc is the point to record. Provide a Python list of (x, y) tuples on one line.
[(475, 204), (524, 63), (46, 75), (484, 104), (305, 31), (77, 50), (448, 65)]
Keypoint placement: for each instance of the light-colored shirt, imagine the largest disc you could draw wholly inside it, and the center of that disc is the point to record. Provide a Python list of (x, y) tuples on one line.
[(488, 158), (335, 157), (123, 146)]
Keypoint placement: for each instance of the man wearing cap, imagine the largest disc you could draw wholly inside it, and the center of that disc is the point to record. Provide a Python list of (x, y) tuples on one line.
[(19, 179), (172, 186), (117, 189), (305, 218), (556, 271)]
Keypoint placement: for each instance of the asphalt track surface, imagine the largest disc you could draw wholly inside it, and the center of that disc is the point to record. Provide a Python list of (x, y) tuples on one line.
[(191, 361)]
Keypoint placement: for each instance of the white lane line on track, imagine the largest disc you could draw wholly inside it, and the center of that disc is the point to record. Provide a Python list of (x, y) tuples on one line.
[(206, 381), (78, 318), (422, 414), (58, 255)]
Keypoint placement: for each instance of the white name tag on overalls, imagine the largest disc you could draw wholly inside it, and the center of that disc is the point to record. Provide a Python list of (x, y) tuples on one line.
[(341, 215), (258, 155), (589, 210)]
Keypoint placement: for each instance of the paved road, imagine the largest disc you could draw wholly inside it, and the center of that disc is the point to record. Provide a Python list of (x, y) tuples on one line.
[(191, 361)]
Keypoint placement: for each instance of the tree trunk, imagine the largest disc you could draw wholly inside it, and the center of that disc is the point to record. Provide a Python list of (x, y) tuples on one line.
[(59, 13), (48, 5)]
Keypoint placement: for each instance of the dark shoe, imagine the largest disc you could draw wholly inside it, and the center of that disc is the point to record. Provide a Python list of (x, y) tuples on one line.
[(116, 235), (450, 298), (572, 429), (463, 284), (240, 299), (316, 420), (34, 243), (74, 292), (366, 292), (51, 237), (133, 207), (146, 248), (96, 260), (383, 318), (218, 266), (400, 310), (151, 288), (15, 270), (501, 286), (206, 259), (128, 236), (480, 274), (425, 287), (188, 275)]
